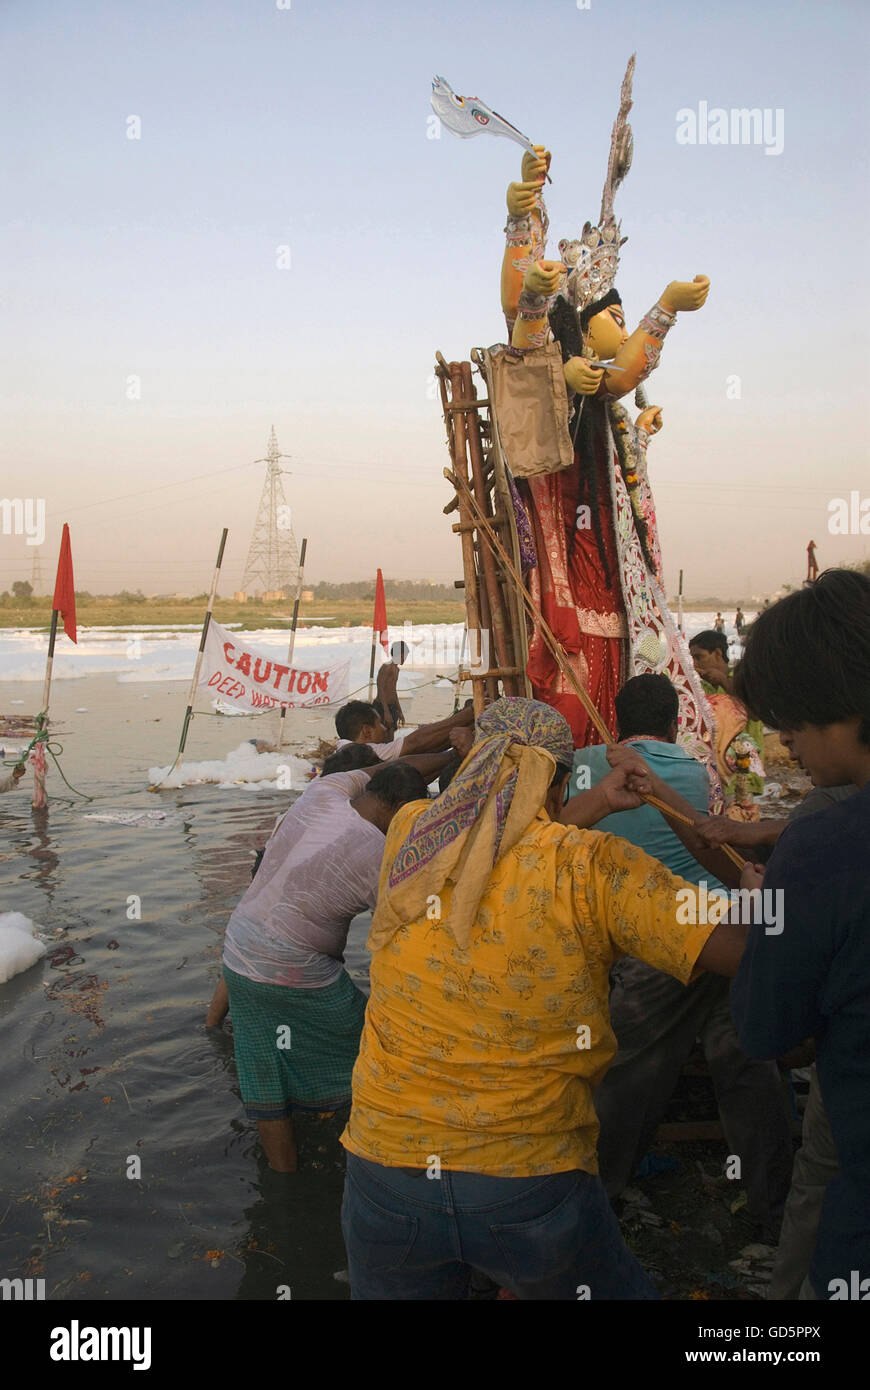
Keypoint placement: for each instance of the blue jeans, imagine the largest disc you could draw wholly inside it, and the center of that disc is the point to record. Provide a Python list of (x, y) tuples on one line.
[(413, 1237)]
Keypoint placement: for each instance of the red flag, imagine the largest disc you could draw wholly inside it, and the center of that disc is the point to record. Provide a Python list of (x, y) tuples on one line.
[(64, 588), (380, 619)]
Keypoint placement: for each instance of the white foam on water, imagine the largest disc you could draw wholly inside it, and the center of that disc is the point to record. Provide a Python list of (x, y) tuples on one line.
[(140, 655), (244, 765), (19, 948)]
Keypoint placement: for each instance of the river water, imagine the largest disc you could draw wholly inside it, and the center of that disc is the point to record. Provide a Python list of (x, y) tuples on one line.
[(105, 1058)]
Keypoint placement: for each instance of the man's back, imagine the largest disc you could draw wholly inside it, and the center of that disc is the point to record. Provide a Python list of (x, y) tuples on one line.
[(646, 827)]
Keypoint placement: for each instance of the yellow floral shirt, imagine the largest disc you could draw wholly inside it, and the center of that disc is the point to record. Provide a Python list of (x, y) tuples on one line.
[(487, 1058)]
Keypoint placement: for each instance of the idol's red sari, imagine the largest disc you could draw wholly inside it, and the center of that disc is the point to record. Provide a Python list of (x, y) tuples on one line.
[(584, 608)]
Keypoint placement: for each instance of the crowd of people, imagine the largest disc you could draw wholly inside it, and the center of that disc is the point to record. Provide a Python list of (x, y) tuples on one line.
[(546, 948)]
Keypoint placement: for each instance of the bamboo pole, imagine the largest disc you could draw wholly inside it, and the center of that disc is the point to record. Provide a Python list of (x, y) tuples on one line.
[(372, 664), (558, 653), (188, 714), (456, 445), (37, 757), (504, 655), (293, 623)]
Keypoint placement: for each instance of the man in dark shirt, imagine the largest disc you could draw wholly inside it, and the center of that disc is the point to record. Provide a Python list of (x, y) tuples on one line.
[(806, 672)]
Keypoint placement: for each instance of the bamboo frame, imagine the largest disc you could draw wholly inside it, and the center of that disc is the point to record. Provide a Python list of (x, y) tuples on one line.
[(490, 606), (555, 647)]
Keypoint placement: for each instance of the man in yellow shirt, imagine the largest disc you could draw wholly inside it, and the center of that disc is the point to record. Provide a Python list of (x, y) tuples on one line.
[(472, 1137)]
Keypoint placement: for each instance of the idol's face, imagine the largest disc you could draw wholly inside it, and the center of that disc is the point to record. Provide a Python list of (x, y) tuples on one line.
[(606, 332)]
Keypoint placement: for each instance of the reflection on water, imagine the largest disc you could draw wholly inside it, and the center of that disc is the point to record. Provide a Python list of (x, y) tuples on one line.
[(106, 1060)]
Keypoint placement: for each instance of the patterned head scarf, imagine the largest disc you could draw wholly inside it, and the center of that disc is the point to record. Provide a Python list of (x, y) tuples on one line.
[(486, 809)]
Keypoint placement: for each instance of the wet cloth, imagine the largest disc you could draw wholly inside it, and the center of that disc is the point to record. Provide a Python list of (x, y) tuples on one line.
[(320, 869), (295, 1048), (487, 1054), (387, 752)]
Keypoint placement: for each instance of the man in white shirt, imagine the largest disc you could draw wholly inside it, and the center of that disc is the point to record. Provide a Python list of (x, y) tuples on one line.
[(297, 1015), (358, 722)]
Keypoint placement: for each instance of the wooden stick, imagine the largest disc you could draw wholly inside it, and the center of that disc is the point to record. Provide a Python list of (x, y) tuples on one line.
[(559, 655), (37, 760), (188, 714), (456, 445), (293, 623), (500, 632)]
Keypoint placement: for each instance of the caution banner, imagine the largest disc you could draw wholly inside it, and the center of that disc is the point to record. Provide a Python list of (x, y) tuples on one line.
[(254, 681)]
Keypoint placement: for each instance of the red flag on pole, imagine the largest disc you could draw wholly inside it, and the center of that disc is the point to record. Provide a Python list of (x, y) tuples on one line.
[(64, 589), (380, 620)]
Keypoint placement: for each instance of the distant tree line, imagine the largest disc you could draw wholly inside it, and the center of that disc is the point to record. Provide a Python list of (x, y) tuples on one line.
[(400, 590)]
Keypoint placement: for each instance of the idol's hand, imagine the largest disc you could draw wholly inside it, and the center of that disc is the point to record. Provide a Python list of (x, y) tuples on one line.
[(543, 277), (681, 296), (522, 198), (536, 166), (650, 419), (582, 378)]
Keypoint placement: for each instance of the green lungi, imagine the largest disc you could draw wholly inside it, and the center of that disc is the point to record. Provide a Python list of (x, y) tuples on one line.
[(295, 1048)]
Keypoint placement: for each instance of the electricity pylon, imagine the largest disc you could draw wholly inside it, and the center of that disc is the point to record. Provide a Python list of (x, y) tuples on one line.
[(37, 583), (272, 566)]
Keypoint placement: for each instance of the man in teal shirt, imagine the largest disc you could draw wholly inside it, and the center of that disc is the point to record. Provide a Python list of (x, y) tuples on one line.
[(656, 1020)]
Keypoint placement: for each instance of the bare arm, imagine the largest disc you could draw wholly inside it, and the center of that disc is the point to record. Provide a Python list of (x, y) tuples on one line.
[(435, 738), (427, 764), (717, 830), (713, 859), (723, 949)]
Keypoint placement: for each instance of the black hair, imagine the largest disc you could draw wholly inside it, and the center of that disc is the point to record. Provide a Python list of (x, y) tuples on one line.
[(589, 430), (647, 704), (807, 658), (710, 641), (353, 717), (395, 783), (598, 307), (562, 770), (403, 649), (349, 758)]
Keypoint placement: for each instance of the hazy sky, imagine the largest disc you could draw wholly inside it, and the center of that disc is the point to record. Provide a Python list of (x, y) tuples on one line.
[(306, 127)]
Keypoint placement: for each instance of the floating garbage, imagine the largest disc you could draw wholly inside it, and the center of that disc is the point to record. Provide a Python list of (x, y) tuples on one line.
[(126, 817)]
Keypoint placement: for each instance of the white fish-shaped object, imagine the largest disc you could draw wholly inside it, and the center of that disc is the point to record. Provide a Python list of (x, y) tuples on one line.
[(467, 116)]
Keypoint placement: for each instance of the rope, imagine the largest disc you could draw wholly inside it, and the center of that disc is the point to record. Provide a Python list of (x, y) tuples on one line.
[(331, 704), (53, 748)]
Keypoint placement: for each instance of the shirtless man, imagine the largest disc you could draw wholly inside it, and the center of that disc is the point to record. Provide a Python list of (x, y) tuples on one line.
[(387, 703)]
